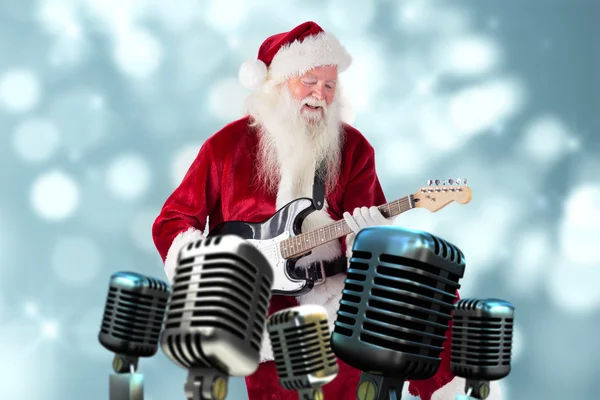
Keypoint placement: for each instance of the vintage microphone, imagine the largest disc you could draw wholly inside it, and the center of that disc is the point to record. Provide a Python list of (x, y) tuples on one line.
[(133, 315), (396, 307), (481, 344), (300, 340), (216, 313)]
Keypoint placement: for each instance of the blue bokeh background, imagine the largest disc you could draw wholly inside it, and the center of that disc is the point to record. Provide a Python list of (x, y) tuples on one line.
[(104, 103)]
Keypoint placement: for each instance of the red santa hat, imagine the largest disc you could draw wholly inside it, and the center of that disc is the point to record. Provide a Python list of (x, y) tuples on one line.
[(291, 53)]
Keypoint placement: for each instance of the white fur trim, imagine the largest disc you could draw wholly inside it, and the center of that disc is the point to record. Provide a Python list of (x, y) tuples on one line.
[(252, 74), (266, 352), (349, 243), (327, 295), (180, 240), (313, 51), (457, 386)]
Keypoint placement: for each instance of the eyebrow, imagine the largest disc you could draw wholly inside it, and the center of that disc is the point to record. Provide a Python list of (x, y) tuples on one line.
[(311, 76)]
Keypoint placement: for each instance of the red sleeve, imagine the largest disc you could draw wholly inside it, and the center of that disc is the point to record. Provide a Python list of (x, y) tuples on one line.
[(189, 205), (426, 388), (363, 188)]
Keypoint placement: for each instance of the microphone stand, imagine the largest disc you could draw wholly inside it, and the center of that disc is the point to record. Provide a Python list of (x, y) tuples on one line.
[(125, 383), (310, 394), (206, 384), (379, 387), (475, 390)]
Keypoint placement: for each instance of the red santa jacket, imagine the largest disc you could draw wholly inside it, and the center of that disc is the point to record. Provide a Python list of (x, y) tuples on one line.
[(219, 187)]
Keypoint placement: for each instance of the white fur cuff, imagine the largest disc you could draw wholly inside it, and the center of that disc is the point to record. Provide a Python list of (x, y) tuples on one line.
[(457, 386), (178, 243)]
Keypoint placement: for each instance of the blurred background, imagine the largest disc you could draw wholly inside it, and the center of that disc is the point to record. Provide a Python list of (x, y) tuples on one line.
[(104, 104)]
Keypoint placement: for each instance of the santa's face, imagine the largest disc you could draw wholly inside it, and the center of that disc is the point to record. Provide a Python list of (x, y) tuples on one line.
[(314, 92)]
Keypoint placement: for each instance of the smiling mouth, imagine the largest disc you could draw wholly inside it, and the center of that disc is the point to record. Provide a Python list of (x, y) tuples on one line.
[(315, 108)]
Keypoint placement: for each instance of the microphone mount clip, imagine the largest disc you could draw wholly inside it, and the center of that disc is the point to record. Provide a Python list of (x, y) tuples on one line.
[(125, 383), (206, 384)]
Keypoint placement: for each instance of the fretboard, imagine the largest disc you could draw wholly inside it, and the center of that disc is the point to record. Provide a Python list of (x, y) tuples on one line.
[(304, 242)]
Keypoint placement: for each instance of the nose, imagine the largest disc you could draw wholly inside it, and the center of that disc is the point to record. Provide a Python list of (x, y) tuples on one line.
[(318, 91)]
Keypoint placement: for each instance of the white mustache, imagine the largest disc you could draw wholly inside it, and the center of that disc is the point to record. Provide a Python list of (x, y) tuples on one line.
[(314, 102)]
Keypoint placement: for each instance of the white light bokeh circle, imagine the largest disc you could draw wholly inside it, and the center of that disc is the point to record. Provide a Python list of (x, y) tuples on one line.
[(531, 256), (547, 139), (226, 99), (76, 260), (182, 162), (226, 15), (573, 286), (31, 309), (55, 196), (128, 177), (480, 107), (468, 55), (36, 139), (141, 229), (351, 15), (579, 229), (179, 15), (365, 76), (138, 53), (518, 343), (20, 90), (50, 330)]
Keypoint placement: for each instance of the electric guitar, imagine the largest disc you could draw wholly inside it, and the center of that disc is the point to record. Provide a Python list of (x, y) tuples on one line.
[(281, 241)]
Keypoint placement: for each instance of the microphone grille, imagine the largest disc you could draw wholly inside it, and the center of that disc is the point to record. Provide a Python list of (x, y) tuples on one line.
[(397, 298), (482, 338), (133, 314), (300, 339), (221, 291)]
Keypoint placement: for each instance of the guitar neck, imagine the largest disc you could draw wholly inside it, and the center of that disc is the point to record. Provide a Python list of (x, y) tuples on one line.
[(298, 245)]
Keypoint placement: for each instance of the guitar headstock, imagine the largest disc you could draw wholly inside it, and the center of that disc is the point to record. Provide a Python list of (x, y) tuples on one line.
[(434, 196)]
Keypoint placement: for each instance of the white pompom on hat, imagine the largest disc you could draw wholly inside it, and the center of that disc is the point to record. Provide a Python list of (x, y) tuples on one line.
[(289, 53)]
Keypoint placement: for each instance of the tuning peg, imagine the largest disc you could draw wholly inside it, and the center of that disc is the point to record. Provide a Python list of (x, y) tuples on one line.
[(465, 181), (429, 182), (437, 182), (458, 181), (451, 181), (444, 182)]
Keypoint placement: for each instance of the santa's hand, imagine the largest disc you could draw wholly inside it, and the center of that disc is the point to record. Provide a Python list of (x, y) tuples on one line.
[(363, 217)]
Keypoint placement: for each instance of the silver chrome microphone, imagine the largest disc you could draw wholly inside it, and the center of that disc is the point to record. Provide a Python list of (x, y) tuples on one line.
[(303, 357), (481, 344), (133, 315), (396, 307), (216, 313)]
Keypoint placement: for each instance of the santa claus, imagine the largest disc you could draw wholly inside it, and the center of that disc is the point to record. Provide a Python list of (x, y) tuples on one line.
[(257, 164)]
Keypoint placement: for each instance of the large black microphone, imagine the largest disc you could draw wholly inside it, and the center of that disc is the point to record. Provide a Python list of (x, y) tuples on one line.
[(216, 314), (133, 316), (396, 307), (481, 343), (300, 340)]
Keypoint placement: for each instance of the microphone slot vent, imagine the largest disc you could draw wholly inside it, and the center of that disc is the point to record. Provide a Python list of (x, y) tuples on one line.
[(348, 309), (413, 287), (400, 347), (481, 345), (304, 350), (360, 266), (365, 255), (418, 271), (353, 288), (356, 277), (134, 317)]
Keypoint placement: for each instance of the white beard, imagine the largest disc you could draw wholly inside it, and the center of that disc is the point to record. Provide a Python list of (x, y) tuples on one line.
[(292, 142)]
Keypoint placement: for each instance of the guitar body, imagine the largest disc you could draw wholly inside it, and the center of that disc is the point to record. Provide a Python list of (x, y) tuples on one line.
[(267, 235)]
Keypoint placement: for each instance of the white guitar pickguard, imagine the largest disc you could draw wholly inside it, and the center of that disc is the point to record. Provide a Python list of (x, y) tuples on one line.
[(270, 249)]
